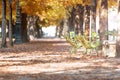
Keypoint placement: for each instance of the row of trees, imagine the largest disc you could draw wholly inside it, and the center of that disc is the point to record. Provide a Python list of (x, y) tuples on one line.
[(8, 10), (4, 23), (83, 19), (53, 12)]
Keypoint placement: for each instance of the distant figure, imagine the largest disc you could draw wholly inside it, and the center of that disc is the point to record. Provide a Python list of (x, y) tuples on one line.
[(106, 45)]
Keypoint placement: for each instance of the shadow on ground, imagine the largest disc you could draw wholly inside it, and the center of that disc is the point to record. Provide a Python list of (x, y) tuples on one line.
[(43, 45), (73, 74), (48, 59)]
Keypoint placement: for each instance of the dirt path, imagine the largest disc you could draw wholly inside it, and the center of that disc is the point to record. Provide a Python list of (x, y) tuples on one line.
[(49, 59)]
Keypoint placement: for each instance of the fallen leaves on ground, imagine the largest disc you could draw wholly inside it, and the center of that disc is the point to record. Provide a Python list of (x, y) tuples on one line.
[(49, 59)]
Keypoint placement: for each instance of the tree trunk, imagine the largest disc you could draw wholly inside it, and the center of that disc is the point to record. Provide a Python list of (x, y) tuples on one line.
[(81, 14), (37, 27), (24, 27), (33, 29), (60, 29), (65, 26), (3, 24), (93, 15), (87, 20), (118, 35), (10, 23), (71, 20), (70, 24), (103, 21), (56, 32)]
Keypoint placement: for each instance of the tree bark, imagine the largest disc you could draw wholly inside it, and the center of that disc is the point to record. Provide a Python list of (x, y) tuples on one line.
[(87, 20), (103, 22), (71, 20), (77, 19), (24, 28), (33, 30), (10, 23), (37, 27), (65, 26), (3, 45), (60, 29), (93, 15), (81, 14), (118, 35)]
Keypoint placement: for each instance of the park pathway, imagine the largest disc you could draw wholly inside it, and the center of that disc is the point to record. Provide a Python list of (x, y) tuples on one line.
[(49, 59)]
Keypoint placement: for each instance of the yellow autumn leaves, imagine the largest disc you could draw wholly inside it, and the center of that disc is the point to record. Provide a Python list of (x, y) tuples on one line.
[(52, 11)]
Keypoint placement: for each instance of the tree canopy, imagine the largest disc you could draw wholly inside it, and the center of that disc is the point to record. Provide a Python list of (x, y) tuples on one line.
[(50, 11)]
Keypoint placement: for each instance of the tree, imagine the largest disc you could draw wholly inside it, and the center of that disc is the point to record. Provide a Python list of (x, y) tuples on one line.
[(51, 12), (118, 36), (10, 23), (78, 19), (93, 15), (103, 24), (3, 24), (87, 20), (71, 19)]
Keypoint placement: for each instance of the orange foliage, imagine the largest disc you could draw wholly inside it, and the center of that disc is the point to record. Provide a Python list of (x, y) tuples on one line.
[(51, 10)]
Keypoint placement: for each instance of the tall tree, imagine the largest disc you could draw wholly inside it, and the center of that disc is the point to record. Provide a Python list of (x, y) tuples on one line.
[(71, 20), (81, 14), (65, 26), (93, 15), (77, 20), (103, 25), (118, 36), (10, 23), (3, 24), (87, 20)]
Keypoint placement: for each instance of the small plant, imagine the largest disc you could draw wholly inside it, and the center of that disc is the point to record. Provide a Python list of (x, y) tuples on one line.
[(75, 44), (77, 41), (92, 44)]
